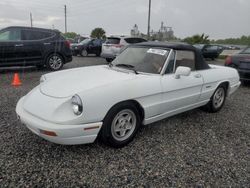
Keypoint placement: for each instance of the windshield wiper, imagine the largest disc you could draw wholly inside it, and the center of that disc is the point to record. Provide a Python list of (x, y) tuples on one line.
[(130, 67)]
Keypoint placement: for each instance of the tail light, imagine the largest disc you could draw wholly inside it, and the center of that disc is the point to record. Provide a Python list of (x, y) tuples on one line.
[(118, 45), (228, 60), (67, 43)]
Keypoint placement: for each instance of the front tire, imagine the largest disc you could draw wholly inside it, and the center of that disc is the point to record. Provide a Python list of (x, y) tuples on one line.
[(217, 100), (84, 53), (120, 125), (54, 62)]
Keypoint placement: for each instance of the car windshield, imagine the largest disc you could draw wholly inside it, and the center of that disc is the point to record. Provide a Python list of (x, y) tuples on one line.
[(85, 41), (142, 59)]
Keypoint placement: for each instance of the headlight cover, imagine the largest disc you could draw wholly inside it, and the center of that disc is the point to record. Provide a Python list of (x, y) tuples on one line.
[(76, 105)]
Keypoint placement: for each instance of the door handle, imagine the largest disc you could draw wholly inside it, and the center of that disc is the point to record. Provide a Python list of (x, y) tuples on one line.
[(197, 75), (47, 43), (18, 45)]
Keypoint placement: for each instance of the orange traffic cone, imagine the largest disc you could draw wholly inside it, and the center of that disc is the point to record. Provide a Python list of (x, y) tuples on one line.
[(16, 80)]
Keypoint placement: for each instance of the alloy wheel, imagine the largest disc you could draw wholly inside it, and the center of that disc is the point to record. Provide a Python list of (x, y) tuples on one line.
[(123, 125), (55, 62), (219, 98)]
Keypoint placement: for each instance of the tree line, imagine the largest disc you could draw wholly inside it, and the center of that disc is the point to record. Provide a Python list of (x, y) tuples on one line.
[(204, 39), (195, 39), (95, 33)]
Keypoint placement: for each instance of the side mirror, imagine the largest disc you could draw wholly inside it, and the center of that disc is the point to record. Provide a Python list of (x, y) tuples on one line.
[(182, 71)]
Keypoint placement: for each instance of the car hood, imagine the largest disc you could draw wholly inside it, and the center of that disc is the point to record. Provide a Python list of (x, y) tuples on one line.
[(67, 83)]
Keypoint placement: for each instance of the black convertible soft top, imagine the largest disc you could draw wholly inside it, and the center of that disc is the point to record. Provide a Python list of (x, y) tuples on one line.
[(200, 63)]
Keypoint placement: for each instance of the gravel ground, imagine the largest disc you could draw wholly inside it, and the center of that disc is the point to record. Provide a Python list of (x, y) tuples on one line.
[(195, 148)]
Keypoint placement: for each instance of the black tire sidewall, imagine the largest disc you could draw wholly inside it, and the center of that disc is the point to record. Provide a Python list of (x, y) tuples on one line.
[(106, 134), (48, 65)]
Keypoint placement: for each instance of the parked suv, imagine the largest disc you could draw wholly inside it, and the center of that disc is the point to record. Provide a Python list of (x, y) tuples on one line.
[(87, 46), (22, 46), (209, 51), (113, 46)]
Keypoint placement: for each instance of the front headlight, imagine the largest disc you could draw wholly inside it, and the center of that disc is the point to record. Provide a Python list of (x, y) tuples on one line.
[(76, 104), (42, 79)]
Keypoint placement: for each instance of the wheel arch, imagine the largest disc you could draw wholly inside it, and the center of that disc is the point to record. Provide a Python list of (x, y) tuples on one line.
[(52, 52), (132, 102), (226, 84)]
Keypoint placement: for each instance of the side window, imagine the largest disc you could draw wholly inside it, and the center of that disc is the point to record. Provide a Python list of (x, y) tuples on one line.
[(96, 42), (4, 35), (35, 35), (91, 43), (185, 58), (170, 67), (10, 35)]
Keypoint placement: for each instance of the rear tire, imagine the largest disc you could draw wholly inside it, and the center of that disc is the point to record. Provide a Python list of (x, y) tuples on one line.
[(54, 62), (120, 125), (217, 100)]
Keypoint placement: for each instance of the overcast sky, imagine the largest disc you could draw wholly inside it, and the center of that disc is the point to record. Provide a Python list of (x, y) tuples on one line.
[(217, 18)]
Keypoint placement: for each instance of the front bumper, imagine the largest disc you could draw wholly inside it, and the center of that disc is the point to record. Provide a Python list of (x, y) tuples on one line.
[(65, 134), (244, 74), (108, 56), (68, 58)]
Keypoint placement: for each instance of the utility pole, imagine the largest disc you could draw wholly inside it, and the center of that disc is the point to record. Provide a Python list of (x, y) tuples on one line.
[(31, 20), (65, 15), (149, 13)]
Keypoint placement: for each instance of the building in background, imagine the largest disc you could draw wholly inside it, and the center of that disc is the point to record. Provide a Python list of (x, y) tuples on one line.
[(165, 33), (135, 31)]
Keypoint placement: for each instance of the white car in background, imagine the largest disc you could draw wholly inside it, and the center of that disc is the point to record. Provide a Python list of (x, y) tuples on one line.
[(146, 83), (115, 44)]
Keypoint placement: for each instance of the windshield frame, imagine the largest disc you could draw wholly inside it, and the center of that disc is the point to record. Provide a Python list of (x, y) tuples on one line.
[(146, 73)]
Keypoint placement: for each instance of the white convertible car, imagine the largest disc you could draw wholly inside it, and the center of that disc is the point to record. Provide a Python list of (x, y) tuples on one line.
[(147, 82)]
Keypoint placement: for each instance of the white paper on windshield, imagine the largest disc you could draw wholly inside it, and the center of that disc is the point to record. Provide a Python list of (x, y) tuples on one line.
[(157, 51)]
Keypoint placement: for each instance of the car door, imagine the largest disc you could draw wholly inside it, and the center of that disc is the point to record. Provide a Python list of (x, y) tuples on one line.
[(97, 46), (180, 94), (11, 47), (33, 45), (90, 47)]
